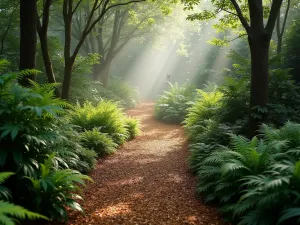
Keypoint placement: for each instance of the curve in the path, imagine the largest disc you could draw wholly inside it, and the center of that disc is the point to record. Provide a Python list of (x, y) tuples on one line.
[(146, 182)]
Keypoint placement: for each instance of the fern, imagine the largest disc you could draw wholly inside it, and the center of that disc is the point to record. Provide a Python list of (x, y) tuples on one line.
[(9, 211), (173, 104)]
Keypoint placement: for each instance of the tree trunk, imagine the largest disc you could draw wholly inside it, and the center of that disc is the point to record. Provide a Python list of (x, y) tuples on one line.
[(46, 58), (28, 37), (259, 48), (279, 47), (69, 61), (67, 80), (101, 72)]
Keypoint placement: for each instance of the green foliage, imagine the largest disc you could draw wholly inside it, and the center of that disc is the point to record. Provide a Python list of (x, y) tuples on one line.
[(283, 95), (54, 190), (173, 104), (133, 127), (291, 49), (205, 107), (70, 153), (125, 92), (253, 180), (120, 91), (101, 143), (10, 212), (106, 116), (27, 122)]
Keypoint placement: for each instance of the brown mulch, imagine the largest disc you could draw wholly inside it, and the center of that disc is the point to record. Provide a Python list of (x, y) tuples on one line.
[(146, 182)]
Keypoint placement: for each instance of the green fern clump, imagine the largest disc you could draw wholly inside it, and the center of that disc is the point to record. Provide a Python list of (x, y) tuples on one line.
[(271, 197), (10, 212), (27, 122), (173, 104), (253, 180), (105, 116), (201, 113), (101, 143), (133, 127), (54, 190), (70, 153)]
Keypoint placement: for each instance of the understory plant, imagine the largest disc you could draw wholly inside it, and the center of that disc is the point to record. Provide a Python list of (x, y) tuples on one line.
[(255, 181), (32, 128), (9, 212), (54, 189), (106, 116), (101, 143), (172, 105)]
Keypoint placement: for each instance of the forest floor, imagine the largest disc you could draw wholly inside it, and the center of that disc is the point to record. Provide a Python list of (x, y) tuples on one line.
[(146, 182)]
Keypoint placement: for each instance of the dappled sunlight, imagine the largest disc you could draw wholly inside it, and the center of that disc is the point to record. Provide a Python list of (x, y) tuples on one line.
[(146, 181), (114, 210), (132, 180)]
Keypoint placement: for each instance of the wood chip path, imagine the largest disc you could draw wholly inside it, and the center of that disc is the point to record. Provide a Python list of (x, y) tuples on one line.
[(146, 182)]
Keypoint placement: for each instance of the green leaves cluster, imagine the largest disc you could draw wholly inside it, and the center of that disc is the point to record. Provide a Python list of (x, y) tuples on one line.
[(173, 104), (254, 180), (45, 152)]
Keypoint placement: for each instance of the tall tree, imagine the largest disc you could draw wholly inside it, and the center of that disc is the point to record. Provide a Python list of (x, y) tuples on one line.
[(69, 9), (28, 37), (280, 27), (42, 28), (251, 14), (114, 31)]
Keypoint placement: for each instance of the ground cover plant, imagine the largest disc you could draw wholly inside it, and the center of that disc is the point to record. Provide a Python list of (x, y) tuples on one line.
[(43, 152), (172, 105)]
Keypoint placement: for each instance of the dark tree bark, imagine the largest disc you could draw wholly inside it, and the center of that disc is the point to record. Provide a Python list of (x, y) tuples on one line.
[(113, 46), (259, 37), (69, 61), (92, 20), (259, 49), (28, 37), (42, 28), (280, 30)]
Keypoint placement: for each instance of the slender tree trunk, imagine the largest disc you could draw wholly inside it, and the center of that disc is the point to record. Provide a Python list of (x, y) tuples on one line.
[(259, 48), (67, 80), (279, 46), (69, 61), (28, 37), (46, 58), (101, 72)]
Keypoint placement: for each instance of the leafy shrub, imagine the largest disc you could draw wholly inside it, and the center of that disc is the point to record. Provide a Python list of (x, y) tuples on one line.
[(127, 94), (105, 116), (70, 153), (284, 95), (204, 108), (101, 143), (120, 91), (254, 180), (31, 128), (27, 122), (272, 197), (10, 212), (173, 104), (133, 127), (54, 190)]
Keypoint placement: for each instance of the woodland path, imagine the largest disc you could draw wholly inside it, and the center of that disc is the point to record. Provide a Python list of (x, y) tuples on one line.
[(146, 182)]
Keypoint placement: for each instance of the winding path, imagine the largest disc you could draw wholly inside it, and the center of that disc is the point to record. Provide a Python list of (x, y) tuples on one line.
[(146, 181)]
